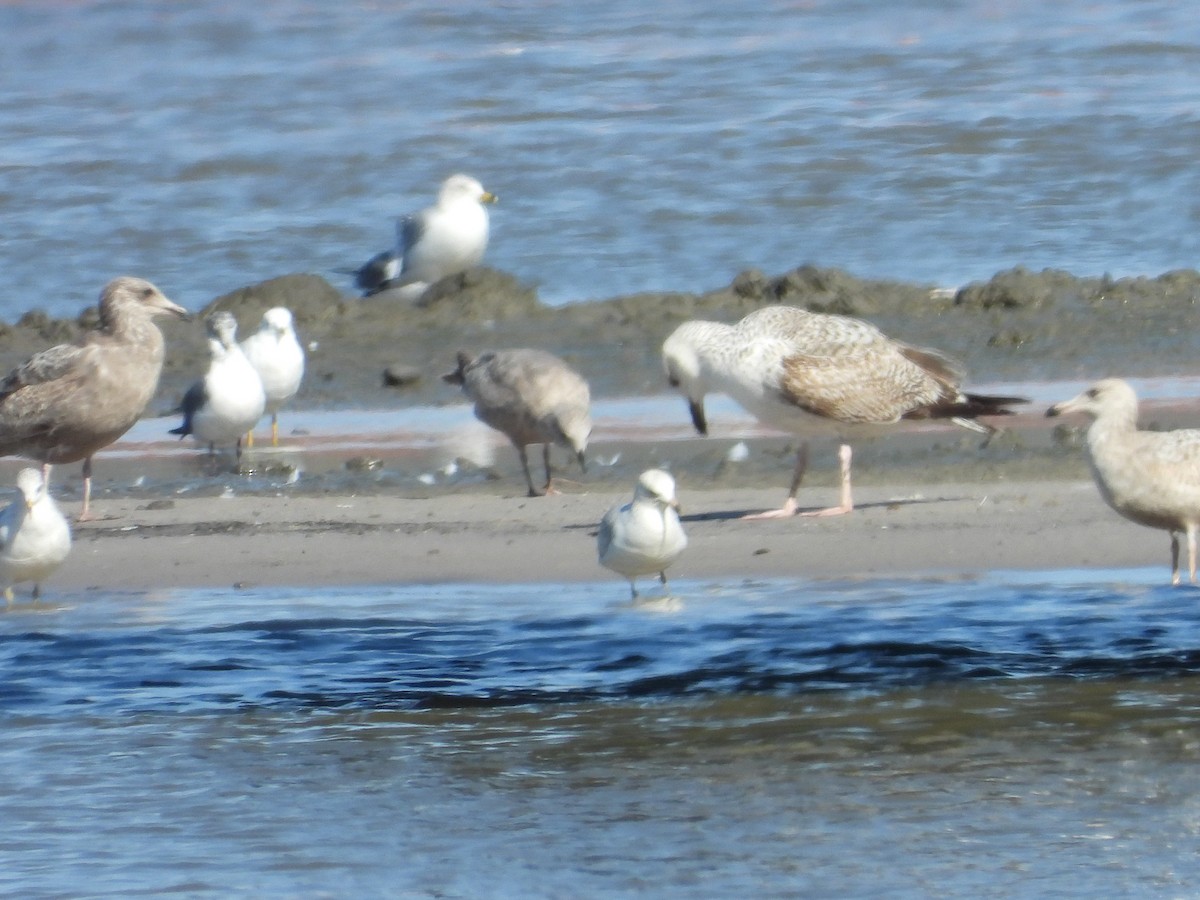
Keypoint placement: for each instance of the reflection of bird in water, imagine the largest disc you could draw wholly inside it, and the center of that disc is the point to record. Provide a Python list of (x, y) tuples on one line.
[(277, 356), (804, 372), (1149, 477), (68, 402), (449, 237), (34, 536), (644, 536), (532, 397), (228, 401)]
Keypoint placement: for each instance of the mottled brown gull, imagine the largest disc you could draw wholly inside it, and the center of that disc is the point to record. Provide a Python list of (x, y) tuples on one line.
[(66, 403), (532, 397), (643, 537), (229, 400), (807, 372), (277, 356), (34, 536), (1149, 477), (449, 237)]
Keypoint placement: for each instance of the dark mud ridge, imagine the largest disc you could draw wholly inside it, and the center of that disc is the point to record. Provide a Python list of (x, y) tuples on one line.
[(1018, 325)]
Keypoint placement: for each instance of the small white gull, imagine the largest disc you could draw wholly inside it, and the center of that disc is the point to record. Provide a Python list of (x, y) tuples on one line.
[(34, 536), (644, 536), (229, 400), (532, 397), (69, 401), (277, 356), (1149, 477), (802, 372), (449, 237)]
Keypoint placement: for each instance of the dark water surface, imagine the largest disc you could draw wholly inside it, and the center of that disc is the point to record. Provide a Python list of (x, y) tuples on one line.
[(974, 738), (208, 145)]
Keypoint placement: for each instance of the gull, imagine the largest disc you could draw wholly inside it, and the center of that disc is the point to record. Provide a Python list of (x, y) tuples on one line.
[(1149, 477), (532, 397), (34, 536), (278, 358), (69, 401), (645, 535), (229, 400), (444, 239), (801, 371)]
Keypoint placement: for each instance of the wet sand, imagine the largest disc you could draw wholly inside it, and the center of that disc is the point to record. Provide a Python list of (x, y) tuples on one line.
[(951, 529), (931, 500)]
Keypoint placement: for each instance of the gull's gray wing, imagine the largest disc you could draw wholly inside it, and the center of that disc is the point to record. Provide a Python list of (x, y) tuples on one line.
[(45, 366)]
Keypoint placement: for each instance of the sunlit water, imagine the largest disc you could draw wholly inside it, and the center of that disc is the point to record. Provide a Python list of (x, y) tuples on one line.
[(754, 738), (1016, 736), (207, 145)]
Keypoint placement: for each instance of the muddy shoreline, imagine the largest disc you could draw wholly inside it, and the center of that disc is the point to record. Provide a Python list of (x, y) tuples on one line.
[(1017, 325)]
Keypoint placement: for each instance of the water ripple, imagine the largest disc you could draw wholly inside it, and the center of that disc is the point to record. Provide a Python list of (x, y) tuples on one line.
[(448, 646)]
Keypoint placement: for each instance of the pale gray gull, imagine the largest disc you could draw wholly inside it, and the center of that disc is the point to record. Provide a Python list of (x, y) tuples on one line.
[(229, 400), (35, 539), (644, 536), (449, 237), (1149, 477), (802, 372), (66, 403), (277, 356), (532, 397)]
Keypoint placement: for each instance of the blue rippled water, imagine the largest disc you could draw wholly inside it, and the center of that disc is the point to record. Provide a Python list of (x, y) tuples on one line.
[(1012, 736), (968, 738), (635, 147), (465, 646)]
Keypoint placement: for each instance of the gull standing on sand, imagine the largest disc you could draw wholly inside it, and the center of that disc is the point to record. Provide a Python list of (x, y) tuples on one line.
[(1149, 477), (801, 371), (34, 536), (533, 397), (229, 400), (449, 237), (277, 356), (66, 403), (645, 535)]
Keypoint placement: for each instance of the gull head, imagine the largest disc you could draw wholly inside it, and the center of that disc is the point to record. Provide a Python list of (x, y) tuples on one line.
[(685, 368), (31, 485), (127, 294), (658, 487), (1110, 397), (277, 320), (222, 329), (460, 188), (576, 430)]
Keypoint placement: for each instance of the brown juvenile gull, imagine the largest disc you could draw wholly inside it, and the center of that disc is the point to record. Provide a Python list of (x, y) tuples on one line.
[(533, 397), (69, 401), (449, 237), (1149, 477), (801, 371), (277, 356), (34, 536), (644, 536)]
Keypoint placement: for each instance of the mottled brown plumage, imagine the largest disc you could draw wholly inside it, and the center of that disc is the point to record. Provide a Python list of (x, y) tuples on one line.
[(69, 401), (1149, 477), (532, 397), (802, 372)]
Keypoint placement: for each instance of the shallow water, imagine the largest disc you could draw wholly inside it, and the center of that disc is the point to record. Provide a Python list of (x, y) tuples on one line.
[(1019, 733), (209, 145)]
